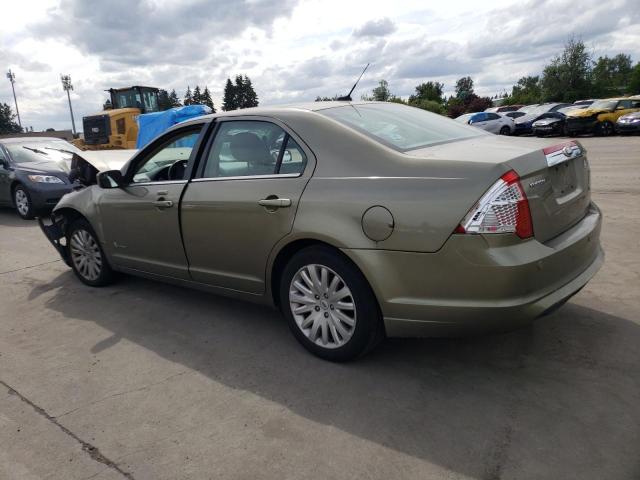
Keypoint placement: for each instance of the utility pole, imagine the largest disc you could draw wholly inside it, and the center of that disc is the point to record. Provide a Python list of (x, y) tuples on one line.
[(12, 78), (66, 85)]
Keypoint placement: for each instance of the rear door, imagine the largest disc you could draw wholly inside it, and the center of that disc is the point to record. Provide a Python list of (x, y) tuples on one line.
[(141, 222), (243, 201)]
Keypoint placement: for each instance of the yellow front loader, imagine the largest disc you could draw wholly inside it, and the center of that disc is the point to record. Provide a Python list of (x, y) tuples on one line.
[(116, 127)]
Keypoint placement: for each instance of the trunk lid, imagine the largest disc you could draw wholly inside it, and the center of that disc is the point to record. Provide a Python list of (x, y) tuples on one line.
[(557, 185), (559, 192)]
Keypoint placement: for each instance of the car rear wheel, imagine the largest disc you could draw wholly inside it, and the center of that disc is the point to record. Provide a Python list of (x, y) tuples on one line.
[(605, 129), (505, 130), (87, 258), (329, 305), (22, 202)]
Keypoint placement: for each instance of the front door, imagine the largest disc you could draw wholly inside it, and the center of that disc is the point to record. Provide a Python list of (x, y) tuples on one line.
[(141, 221), (243, 202), (5, 178)]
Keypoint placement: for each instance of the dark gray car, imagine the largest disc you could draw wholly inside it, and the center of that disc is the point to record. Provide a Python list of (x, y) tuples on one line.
[(34, 173)]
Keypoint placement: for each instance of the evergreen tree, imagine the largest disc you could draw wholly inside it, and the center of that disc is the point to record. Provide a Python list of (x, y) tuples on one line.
[(239, 92), (173, 99), (229, 100), (163, 100), (197, 96), (188, 98), (207, 100), (250, 98), (7, 120)]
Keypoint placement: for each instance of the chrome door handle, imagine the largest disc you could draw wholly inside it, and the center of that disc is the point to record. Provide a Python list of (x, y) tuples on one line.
[(275, 202), (163, 203)]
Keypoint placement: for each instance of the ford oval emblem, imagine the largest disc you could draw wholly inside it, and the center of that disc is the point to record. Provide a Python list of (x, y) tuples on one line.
[(96, 130)]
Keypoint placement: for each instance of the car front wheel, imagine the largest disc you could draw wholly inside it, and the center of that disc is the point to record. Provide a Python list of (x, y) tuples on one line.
[(329, 305), (22, 202), (87, 258)]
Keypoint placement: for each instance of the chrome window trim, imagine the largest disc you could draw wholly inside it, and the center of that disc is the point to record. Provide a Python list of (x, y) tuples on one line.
[(164, 182), (248, 177)]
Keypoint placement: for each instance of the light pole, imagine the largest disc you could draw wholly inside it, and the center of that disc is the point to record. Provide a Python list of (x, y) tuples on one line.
[(66, 85), (12, 78)]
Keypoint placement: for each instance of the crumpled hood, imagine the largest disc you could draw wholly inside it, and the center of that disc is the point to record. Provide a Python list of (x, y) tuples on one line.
[(104, 160)]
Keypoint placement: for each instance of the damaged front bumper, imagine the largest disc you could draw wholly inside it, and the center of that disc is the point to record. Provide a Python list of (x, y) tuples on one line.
[(53, 227)]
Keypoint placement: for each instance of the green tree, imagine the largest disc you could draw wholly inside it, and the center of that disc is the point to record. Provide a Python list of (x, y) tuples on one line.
[(326, 99), (197, 96), (381, 94), (163, 100), (188, 97), (634, 81), (174, 101), (7, 120), (611, 76), (525, 92), (464, 88), (429, 105), (568, 77), (250, 97), (207, 100), (229, 99), (428, 91)]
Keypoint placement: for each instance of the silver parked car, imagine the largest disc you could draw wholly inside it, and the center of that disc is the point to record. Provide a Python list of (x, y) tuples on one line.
[(489, 121), (357, 220)]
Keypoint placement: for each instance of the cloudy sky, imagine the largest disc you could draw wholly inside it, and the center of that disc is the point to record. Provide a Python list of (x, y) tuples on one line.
[(292, 49)]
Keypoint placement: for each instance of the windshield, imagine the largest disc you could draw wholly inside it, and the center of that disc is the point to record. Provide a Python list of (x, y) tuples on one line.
[(40, 151), (399, 127), (603, 105)]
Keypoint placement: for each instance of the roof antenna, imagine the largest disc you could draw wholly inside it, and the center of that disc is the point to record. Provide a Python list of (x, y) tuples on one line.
[(347, 98)]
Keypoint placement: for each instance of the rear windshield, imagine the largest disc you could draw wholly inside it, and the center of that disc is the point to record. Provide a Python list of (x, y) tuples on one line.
[(400, 127)]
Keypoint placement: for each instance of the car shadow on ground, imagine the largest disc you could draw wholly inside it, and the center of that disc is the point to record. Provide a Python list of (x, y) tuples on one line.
[(558, 399)]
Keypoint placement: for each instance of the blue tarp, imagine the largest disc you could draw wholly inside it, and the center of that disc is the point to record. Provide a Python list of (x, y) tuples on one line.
[(153, 124)]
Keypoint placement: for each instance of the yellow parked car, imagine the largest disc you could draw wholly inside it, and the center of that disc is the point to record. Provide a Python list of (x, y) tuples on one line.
[(600, 117)]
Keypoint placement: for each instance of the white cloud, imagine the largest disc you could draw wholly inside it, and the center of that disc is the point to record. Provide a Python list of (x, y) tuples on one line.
[(291, 50)]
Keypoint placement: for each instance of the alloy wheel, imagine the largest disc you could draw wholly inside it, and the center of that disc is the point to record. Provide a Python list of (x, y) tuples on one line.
[(323, 306), (85, 254), (22, 202)]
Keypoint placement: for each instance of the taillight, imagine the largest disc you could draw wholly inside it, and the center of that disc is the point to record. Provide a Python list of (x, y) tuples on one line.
[(503, 209)]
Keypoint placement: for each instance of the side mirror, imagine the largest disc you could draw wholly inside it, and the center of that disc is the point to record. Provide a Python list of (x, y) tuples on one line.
[(4, 163), (470, 122), (110, 179)]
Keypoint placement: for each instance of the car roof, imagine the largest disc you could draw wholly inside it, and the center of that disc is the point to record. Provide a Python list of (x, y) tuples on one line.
[(31, 139), (274, 110)]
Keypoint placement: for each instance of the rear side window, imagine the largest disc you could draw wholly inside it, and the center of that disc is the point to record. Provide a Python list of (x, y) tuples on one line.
[(493, 116), (243, 148), (400, 127)]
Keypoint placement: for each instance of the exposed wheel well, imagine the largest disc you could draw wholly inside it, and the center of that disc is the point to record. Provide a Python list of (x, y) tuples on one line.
[(13, 189), (289, 251)]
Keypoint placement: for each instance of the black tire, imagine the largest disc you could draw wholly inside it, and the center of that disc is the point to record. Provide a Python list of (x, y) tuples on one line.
[(21, 195), (368, 330), (505, 130), (605, 129), (105, 274)]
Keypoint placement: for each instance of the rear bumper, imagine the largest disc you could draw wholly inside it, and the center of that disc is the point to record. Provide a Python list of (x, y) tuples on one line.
[(481, 283)]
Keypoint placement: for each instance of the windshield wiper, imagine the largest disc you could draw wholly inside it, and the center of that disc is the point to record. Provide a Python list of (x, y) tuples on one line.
[(60, 150), (37, 150)]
